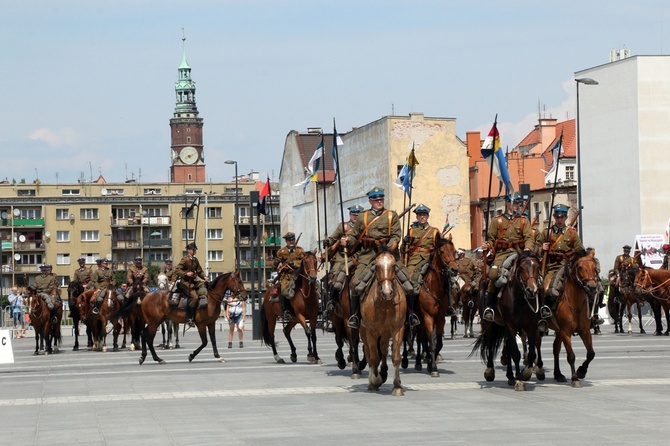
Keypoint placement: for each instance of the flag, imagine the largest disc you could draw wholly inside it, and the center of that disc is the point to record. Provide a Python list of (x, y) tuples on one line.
[(313, 164), (262, 198), (337, 143), (496, 158), (406, 175), (195, 203), (305, 182), (557, 151)]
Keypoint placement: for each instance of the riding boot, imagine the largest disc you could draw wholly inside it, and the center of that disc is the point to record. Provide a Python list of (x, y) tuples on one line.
[(284, 308), (411, 317), (190, 314), (489, 299), (332, 297), (354, 321), (54, 319)]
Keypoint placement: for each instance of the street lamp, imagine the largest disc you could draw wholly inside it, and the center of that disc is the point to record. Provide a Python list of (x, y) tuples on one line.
[(585, 81), (237, 218)]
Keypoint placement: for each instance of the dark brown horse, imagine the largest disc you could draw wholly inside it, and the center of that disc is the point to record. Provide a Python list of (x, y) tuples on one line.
[(626, 293), (40, 319), (615, 306), (156, 308), (305, 310), (74, 290), (469, 302), (516, 313), (435, 298), (132, 317), (573, 313), (654, 285), (383, 313), (98, 322), (343, 334)]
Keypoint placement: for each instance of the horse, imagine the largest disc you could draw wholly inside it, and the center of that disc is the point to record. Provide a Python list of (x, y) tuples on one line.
[(435, 297), (40, 319), (654, 284), (344, 334), (171, 327), (628, 297), (574, 311), (156, 308), (467, 297), (108, 312), (132, 318), (514, 315), (305, 304), (74, 289), (383, 313)]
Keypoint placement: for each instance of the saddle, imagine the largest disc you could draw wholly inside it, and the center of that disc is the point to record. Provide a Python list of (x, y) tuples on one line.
[(177, 299)]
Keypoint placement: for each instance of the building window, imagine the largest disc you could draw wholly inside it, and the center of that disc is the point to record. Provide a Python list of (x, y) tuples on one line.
[(569, 173), (70, 192), (89, 214), (244, 211), (31, 214), (62, 214), (190, 177), (62, 259), (31, 259), (90, 236), (546, 211), (191, 234), (215, 234), (188, 139), (90, 257), (214, 212), (193, 191), (25, 192), (122, 213), (62, 236), (215, 256), (152, 191), (191, 214), (114, 191)]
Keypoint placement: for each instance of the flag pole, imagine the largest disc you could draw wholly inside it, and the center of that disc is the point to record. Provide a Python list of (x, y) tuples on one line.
[(551, 207), (339, 188), (488, 204), (325, 202)]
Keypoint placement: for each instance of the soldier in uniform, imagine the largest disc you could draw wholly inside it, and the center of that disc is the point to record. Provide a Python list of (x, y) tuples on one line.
[(419, 243), (467, 271), (558, 246), (287, 263), (192, 281), (46, 286), (139, 272), (666, 250), (374, 228), (169, 273), (507, 233), (336, 256), (623, 262), (82, 274), (102, 279)]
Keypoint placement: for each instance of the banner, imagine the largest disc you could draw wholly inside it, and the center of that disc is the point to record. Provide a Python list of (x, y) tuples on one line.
[(6, 352), (650, 249)]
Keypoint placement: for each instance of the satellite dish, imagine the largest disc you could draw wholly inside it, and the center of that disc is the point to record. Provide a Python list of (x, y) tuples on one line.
[(22, 238), (103, 191), (108, 257), (17, 212), (47, 234), (17, 257), (4, 215)]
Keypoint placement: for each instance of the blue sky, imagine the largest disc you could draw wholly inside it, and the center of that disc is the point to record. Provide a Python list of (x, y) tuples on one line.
[(88, 86)]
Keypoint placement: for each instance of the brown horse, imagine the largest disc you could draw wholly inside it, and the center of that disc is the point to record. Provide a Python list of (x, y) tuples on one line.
[(383, 313), (305, 307), (435, 298), (468, 299), (156, 308), (516, 313), (654, 284), (40, 319), (343, 334), (98, 322), (132, 317), (573, 313), (74, 290), (615, 306), (628, 296)]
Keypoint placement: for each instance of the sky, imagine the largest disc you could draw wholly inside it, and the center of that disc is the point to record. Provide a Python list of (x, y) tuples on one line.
[(88, 86)]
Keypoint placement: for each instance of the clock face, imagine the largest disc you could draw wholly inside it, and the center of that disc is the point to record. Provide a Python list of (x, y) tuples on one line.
[(188, 155)]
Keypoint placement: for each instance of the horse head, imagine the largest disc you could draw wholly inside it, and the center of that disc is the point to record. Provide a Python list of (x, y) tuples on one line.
[(228, 282), (445, 257), (309, 266), (585, 269), (385, 274), (162, 281), (643, 282), (528, 273)]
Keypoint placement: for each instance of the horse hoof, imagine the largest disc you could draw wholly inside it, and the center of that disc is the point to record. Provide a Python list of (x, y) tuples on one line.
[(132, 348), (404, 363), (281, 361), (142, 360), (310, 359), (341, 365), (439, 357), (642, 331), (294, 358), (526, 373), (89, 348), (221, 360), (560, 378), (398, 391), (519, 386), (190, 358), (418, 367), (511, 382), (540, 375), (489, 374), (161, 362), (115, 349), (104, 349), (355, 376), (319, 362), (576, 384), (75, 348), (435, 374), (36, 353)]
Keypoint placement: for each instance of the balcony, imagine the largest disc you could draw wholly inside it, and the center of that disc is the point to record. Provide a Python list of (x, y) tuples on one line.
[(157, 243), (155, 221), (24, 246), (22, 222)]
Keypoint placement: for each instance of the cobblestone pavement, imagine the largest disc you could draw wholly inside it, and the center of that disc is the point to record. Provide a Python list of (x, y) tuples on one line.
[(98, 398)]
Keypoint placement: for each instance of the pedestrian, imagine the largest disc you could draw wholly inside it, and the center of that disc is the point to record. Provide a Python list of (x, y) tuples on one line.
[(237, 313), (16, 304)]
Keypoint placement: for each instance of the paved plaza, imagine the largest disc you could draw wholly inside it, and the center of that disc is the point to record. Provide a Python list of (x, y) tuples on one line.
[(97, 398)]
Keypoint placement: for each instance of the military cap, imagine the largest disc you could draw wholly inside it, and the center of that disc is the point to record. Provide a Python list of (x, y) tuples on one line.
[(376, 192), (666, 247), (289, 236), (191, 246), (560, 210), (422, 208), (460, 251), (138, 259), (81, 260), (104, 260), (356, 209), (44, 266), (626, 247), (98, 261), (168, 262)]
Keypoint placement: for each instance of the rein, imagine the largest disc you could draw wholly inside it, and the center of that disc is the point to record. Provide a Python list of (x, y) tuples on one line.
[(443, 271), (647, 279)]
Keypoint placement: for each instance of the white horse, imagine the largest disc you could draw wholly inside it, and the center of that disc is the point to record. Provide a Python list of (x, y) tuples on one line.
[(172, 327), (162, 281)]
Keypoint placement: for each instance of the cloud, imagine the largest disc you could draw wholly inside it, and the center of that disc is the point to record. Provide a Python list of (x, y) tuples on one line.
[(65, 137)]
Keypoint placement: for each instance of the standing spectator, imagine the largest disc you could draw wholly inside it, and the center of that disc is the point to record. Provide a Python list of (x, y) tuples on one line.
[(16, 303), (237, 313)]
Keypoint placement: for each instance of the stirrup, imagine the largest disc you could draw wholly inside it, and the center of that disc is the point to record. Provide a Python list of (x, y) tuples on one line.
[(598, 320), (95, 311), (542, 326), (287, 315), (54, 320), (190, 322), (413, 320), (471, 304), (353, 322), (488, 314), (545, 312)]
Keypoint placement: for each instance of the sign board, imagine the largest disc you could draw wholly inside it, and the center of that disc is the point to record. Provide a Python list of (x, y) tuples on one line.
[(6, 351), (650, 248)]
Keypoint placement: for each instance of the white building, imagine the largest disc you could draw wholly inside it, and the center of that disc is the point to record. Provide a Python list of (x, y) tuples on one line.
[(624, 137)]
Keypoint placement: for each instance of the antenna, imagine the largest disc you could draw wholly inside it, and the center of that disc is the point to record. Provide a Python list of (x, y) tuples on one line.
[(90, 169)]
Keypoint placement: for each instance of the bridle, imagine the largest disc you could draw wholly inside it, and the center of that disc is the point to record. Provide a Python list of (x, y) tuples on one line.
[(237, 291), (392, 278), (308, 275)]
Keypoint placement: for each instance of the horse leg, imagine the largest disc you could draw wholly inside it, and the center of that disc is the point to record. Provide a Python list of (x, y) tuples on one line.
[(287, 333), (339, 341), (203, 342), (559, 339), (212, 337), (590, 354), (397, 387), (165, 342), (383, 354), (356, 366), (176, 334), (371, 351), (515, 356), (639, 317), (656, 309), (666, 309), (148, 335), (431, 336), (312, 321), (75, 326), (405, 351), (531, 355)]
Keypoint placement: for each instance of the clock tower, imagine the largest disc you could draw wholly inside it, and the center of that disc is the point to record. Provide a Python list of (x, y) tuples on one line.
[(187, 157)]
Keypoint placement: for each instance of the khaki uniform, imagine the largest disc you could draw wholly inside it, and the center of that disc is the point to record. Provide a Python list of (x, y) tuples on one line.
[(562, 243), (140, 273), (507, 233), (285, 257), (466, 269), (422, 241), (623, 261), (103, 278), (82, 275), (337, 269), (46, 284), (194, 287)]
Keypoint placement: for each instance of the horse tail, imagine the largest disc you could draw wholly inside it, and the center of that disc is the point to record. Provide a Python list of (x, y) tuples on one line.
[(489, 342), (265, 328), (126, 307)]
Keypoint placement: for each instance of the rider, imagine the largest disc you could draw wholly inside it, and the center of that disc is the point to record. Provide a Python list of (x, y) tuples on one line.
[(419, 243), (137, 271), (467, 270), (623, 262), (336, 256), (507, 233), (169, 272), (102, 279), (666, 250), (82, 274), (46, 286), (192, 281), (287, 263), (374, 228)]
